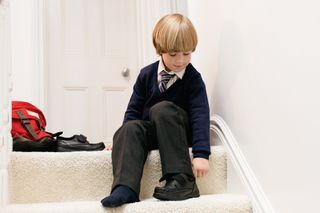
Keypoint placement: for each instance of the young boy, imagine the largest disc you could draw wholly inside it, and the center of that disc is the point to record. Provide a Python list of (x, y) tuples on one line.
[(169, 111)]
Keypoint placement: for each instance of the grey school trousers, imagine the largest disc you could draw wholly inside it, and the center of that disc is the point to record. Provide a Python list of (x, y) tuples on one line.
[(167, 130)]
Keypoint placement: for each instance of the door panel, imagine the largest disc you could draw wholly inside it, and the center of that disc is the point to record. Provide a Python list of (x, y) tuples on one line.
[(89, 43)]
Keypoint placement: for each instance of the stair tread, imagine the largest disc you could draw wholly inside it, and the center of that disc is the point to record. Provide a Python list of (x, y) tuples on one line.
[(218, 203), (58, 177)]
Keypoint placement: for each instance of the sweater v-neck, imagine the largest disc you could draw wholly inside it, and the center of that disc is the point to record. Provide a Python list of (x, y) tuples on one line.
[(156, 83)]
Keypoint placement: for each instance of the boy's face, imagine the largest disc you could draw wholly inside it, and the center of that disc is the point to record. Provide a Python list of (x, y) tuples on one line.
[(176, 61)]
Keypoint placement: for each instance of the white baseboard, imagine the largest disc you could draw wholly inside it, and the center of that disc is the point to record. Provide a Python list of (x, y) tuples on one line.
[(260, 202)]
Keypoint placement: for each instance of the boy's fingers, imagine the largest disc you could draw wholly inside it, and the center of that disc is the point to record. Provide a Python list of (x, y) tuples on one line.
[(198, 173), (201, 174), (109, 147), (194, 172)]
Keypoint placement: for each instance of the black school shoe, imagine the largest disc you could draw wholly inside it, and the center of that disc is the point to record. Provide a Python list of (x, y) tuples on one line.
[(77, 143), (178, 187)]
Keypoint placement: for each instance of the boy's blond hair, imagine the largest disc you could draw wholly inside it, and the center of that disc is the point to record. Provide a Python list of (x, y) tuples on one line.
[(174, 33)]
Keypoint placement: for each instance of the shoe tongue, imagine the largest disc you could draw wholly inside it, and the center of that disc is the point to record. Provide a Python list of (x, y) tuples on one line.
[(82, 138), (181, 178)]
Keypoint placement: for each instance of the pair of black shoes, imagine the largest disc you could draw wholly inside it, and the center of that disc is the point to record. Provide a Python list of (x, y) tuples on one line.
[(177, 187)]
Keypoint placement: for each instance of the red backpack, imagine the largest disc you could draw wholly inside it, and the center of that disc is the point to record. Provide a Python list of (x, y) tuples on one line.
[(28, 129)]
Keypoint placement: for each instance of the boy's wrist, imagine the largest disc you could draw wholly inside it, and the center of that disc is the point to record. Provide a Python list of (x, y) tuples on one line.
[(201, 155)]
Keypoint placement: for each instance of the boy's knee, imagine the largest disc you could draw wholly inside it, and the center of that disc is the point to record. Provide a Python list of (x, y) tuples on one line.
[(130, 129), (159, 109), (164, 109)]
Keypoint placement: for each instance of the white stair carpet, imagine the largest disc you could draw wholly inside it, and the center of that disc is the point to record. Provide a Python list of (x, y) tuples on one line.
[(77, 181)]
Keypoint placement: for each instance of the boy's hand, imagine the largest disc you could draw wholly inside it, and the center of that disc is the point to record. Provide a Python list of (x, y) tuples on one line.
[(200, 167), (108, 147)]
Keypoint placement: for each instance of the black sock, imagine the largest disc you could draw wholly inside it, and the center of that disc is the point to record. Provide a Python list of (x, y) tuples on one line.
[(119, 196)]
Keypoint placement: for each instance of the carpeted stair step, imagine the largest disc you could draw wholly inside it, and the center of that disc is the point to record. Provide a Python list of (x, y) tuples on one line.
[(218, 203), (77, 176), (77, 181)]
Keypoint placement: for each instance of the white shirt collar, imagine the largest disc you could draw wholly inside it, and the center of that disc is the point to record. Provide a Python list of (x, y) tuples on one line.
[(162, 67)]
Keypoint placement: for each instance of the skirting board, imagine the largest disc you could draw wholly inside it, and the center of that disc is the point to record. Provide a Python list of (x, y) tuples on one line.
[(260, 202)]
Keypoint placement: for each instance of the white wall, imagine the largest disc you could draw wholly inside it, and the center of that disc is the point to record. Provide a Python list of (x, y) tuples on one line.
[(260, 60), (5, 96), (26, 41)]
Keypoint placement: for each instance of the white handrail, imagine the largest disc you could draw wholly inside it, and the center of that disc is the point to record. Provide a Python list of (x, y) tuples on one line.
[(260, 202)]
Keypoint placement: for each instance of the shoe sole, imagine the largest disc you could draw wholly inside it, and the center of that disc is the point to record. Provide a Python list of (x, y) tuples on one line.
[(177, 195)]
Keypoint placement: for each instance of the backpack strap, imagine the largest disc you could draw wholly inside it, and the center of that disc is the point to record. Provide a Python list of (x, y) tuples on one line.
[(26, 124)]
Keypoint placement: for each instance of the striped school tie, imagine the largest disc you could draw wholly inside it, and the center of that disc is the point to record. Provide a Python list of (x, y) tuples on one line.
[(165, 78)]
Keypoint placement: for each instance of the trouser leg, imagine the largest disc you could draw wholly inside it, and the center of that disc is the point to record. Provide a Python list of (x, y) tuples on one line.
[(171, 126), (129, 152)]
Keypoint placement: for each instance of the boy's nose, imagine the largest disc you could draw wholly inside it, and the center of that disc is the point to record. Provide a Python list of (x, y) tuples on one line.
[(180, 60)]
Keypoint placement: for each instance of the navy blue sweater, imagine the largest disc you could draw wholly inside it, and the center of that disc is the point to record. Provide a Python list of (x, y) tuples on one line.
[(189, 93)]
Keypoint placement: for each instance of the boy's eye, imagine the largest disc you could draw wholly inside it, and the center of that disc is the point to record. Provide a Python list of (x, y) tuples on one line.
[(186, 53), (172, 54)]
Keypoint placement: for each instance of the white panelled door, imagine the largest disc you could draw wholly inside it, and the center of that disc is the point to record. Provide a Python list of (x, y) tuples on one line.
[(88, 46)]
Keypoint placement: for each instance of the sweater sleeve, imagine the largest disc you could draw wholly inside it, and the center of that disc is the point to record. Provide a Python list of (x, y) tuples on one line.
[(199, 118), (136, 102)]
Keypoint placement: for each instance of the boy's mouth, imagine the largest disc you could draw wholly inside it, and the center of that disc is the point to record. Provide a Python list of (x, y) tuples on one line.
[(178, 66)]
